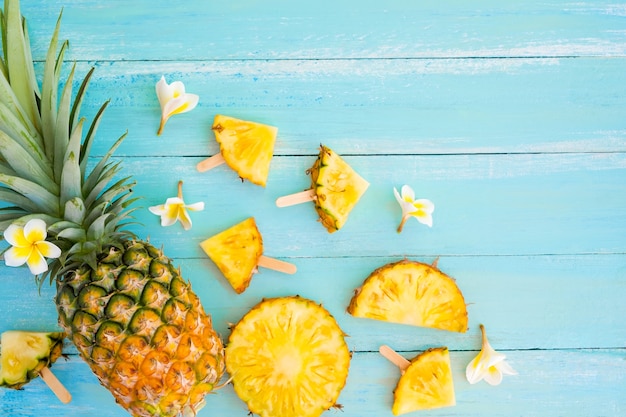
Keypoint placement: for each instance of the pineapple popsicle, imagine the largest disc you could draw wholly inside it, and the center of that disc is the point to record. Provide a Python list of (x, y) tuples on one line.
[(238, 252), (247, 147), (26, 355), (426, 380), (335, 189)]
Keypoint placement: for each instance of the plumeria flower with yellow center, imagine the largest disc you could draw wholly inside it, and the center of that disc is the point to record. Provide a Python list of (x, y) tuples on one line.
[(29, 246), (488, 364), (173, 100), (175, 209), (421, 209)]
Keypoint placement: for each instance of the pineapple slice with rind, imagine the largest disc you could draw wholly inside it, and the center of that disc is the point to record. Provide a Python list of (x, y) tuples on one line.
[(247, 147), (337, 188), (426, 383), (236, 252), (413, 293), (288, 357), (24, 354)]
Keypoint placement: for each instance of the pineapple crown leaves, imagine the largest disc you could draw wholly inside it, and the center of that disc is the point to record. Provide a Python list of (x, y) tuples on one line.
[(44, 153)]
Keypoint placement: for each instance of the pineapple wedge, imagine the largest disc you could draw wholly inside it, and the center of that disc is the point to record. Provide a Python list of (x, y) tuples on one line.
[(426, 383), (411, 293), (236, 252), (288, 357), (247, 147), (337, 188), (24, 354)]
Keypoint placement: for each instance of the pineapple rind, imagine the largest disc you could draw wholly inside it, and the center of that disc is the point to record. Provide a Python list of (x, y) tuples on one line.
[(412, 293), (288, 357), (426, 384), (337, 186)]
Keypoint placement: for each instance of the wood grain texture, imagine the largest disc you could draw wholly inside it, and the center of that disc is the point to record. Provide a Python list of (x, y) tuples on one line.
[(510, 116)]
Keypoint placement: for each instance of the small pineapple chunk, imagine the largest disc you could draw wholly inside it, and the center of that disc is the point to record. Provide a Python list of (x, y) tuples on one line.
[(411, 293), (236, 252), (337, 188), (426, 383), (247, 147), (288, 357), (23, 355)]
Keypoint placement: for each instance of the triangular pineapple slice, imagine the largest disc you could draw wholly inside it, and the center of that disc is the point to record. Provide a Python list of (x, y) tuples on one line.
[(412, 293), (337, 188), (288, 357), (247, 147), (24, 354), (426, 383), (236, 252)]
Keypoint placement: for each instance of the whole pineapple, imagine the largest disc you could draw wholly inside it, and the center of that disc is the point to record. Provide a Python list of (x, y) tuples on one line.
[(134, 320)]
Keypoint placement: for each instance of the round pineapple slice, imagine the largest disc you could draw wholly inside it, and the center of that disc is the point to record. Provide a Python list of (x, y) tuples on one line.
[(288, 357), (414, 293), (426, 383)]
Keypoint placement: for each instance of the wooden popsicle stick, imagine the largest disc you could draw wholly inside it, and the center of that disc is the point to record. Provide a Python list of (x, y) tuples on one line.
[(297, 198), (55, 385), (276, 265), (394, 357), (210, 163)]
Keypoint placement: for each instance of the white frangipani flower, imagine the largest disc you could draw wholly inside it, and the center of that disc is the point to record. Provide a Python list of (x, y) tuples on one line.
[(175, 209), (29, 246), (488, 364), (173, 100), (421, 209)]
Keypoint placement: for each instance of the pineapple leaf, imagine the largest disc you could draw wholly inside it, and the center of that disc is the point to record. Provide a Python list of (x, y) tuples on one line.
[(58, 226), (86, 148), (74, 234), (106, 176), (78, 100), (96, 229), (94, 177), (49, 87), (14, 127), (24, 164), (41, 197), (117, 189), (75, 210), (8, 97), (19, 61), (11, 197), (62, 131), (70, 175)]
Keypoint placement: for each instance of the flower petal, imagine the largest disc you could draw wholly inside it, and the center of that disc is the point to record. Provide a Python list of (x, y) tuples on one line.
[(17, 256), (195, 206), (473, 371), (36, 263), (407, 193), (35, 230), (493, 376), (184, 218), (48, 249), (164, 92), (14, 235), (181, 104), (506, 369), (158, 210)]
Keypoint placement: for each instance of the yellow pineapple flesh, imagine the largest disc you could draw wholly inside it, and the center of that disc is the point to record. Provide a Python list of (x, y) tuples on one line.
[(337, 188), (247, 147), (236, 252), (413, 293), (288, 357), (24, 354), (426, 383)]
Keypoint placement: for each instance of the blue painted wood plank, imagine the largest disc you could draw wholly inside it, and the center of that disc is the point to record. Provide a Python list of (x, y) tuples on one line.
[(374, 106), (526, 302), (527, 204), (545, 387), (150, 30)]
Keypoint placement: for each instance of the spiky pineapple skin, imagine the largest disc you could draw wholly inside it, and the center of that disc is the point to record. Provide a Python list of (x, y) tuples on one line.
[(142, 330)]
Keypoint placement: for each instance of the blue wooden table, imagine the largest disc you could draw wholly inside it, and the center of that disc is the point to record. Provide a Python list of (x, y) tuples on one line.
[(509, 115)]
